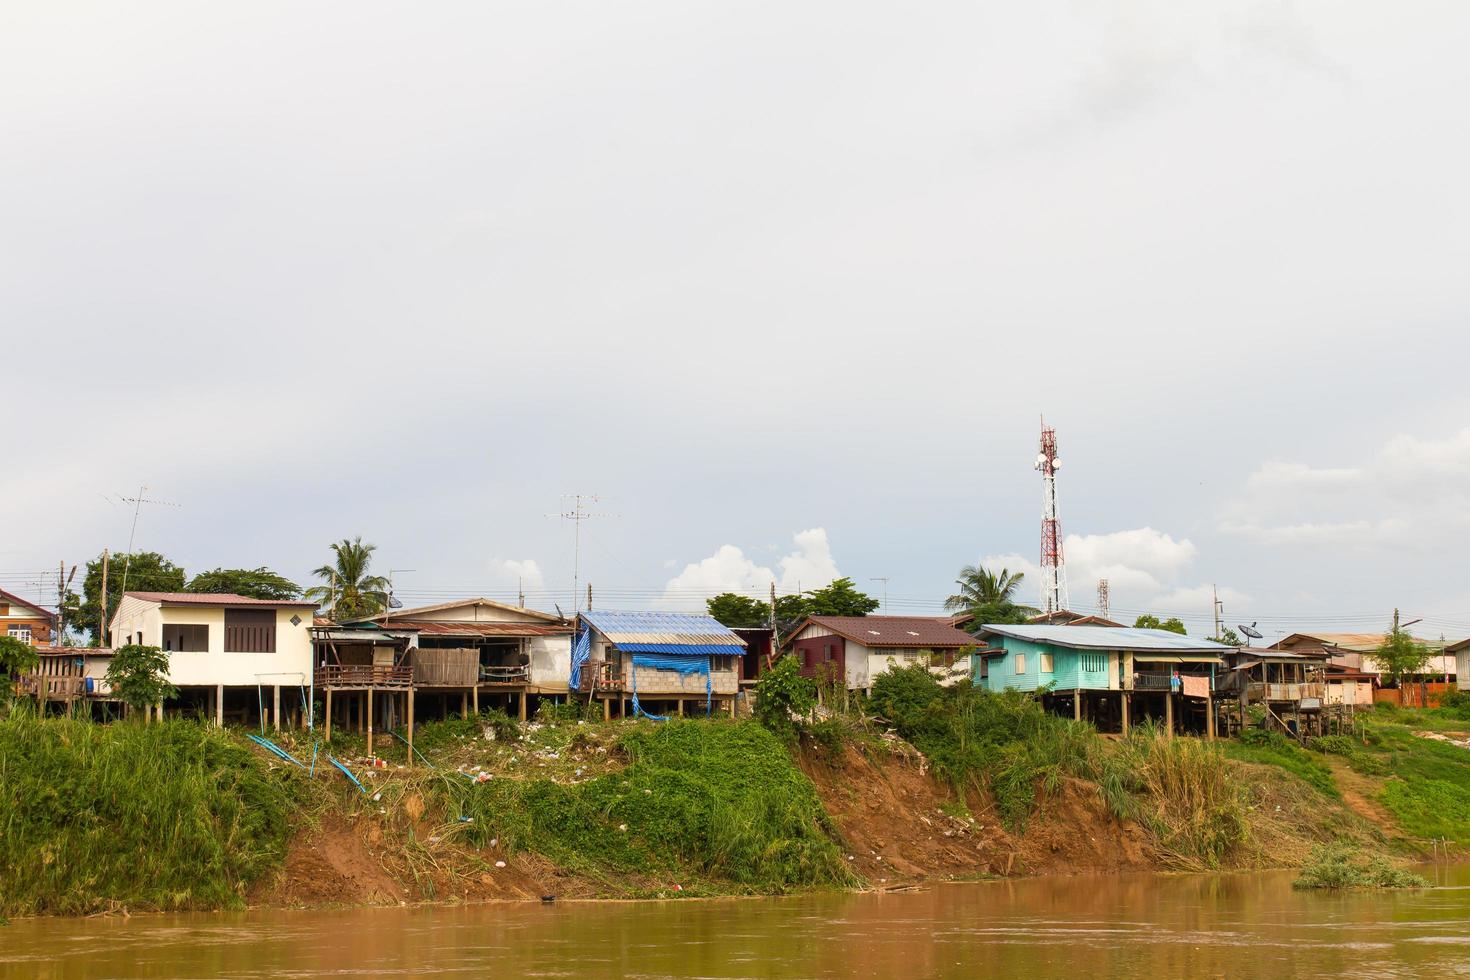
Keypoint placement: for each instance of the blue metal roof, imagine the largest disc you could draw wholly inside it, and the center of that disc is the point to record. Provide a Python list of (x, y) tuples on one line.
[(1109, 638), (681, 634)]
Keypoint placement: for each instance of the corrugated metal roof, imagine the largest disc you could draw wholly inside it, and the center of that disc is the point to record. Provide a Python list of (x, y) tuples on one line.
[(433, 628), (676, 633), (215, 599), (932, 632), (1111, 638)]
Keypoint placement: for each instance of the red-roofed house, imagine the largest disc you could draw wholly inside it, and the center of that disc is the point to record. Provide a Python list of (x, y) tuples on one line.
[(859, 648), (25, 620)]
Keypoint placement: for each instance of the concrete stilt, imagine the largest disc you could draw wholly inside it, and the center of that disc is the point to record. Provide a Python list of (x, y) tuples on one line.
[(410, 726), (369, 714), (607, 709), (464, 705), (1209, 718), (475, 699), (521, 705), (328, 713), (1076, 705), (1125, 712), (1169, 713), (219, 705), (276, 707)]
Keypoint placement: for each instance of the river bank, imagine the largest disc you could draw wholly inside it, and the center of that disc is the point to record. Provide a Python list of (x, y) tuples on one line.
[(182, 816)]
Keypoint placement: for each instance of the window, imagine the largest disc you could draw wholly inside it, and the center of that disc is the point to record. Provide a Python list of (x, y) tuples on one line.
[(1020, 663), (184, 638), (1048, 663), (1094, 661), (250, 631), (21, 633)]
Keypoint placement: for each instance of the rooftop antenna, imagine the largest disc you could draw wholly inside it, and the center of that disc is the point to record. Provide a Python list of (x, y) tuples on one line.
[(884, 580), (1053, 562), (577, 514), (137, 503)]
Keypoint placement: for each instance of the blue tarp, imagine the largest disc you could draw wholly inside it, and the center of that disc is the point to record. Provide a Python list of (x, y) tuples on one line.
[(581, 650), (684, 665)]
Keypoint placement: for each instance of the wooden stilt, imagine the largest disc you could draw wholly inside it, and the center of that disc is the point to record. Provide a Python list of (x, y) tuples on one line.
[(681, 707), (475, 699), (464, 705), (1124, 700), (369, 714), (328, 713), (410, 726), (732, 707), (1076, 705), (1169, 713), (606, 708), (1209, 717), (521, 706)]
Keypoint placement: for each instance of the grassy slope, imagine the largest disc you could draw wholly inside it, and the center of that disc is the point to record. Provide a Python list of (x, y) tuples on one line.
[(172, 816)]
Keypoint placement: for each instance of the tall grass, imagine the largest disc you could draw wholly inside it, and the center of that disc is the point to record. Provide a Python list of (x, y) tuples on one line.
[(170, 816), (1182, 789), (720, 800)]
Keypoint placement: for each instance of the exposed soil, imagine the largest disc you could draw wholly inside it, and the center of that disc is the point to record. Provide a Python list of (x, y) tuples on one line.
[(900, 824), (1360, 794)]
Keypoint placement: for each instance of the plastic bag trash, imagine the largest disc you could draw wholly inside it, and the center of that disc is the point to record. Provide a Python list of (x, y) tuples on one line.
[(623, 827), (377, 797), (464, 819), (500, 864)]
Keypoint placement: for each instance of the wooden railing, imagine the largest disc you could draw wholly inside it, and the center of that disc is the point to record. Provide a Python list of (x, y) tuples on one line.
[(505, 675), (1258, 691), (363, 675), (51, 687), (600, 675)]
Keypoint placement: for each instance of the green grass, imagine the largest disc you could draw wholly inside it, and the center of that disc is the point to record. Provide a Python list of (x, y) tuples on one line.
[(721, 802), (1283, 752), (171, 816), (1343, 866), (1428, 790)]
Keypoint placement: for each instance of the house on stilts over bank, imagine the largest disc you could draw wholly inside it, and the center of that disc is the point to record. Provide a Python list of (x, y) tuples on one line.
[(656, 664), (1113, 677)]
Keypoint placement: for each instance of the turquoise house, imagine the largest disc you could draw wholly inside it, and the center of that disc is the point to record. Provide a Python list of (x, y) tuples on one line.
[(1112, 676)]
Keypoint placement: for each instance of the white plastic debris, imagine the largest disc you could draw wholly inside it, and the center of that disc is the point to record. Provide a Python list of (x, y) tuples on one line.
[(500, 864)]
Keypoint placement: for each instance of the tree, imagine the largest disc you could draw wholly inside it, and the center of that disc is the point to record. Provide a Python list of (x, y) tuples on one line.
[(1401, 655), (841, 598), (138, 675), (16, 657), (147, 571), (1148, 621), (350, 592), (257, 583), (989, 597), (739, 611), (1229, 638)]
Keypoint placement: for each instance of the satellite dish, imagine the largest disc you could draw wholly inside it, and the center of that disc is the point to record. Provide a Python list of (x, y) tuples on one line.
[(394, 603), (1250, 631)]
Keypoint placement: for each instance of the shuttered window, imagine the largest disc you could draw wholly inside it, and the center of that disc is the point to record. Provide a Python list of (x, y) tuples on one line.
[(250, 631), (184, 638)]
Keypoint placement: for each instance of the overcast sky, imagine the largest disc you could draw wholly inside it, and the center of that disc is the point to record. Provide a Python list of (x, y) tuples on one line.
[(788, 285)]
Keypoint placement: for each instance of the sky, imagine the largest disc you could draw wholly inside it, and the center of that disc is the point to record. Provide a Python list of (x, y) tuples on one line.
[(788, 288)]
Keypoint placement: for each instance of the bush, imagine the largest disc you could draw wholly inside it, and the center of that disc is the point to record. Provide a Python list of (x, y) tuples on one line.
[(1190, 800), (783, 697), (570, 710), (1342, 866)]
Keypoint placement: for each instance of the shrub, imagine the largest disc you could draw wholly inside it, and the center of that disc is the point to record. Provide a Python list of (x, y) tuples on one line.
[(783, 696), (138, 676), (1186, 794), (570, 710)]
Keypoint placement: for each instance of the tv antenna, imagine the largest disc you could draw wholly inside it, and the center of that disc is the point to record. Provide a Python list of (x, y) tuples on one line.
[(884, 580), (137, 503), (577, 514)]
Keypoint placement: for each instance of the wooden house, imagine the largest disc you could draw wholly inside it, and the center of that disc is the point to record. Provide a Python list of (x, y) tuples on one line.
[(1352, 653), (648, 662), (857, 649), (1114, 676), (26, 621), (1290, 686)]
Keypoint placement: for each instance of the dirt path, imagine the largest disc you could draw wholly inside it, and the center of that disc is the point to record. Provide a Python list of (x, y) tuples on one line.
[(1360, 794)]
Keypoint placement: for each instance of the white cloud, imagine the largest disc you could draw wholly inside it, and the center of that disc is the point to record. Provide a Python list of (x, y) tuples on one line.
[(524, 573), (809, 565), (1409, 486)]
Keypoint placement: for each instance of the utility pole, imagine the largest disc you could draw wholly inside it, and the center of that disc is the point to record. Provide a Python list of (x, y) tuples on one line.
[(884, 580), (589, 596), (102, 615), (775, 637), (1219, 611), (63, 581), (577, 515), (520, 592)]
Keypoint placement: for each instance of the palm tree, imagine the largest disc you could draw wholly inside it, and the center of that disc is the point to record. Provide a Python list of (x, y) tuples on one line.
[(350, 593), (989, 597)]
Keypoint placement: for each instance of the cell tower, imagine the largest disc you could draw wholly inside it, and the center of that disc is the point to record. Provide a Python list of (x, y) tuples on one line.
[(1053, 562), (1102, 598)]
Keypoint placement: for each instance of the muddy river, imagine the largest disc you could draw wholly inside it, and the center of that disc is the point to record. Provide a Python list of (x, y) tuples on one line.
[(1156, 927)]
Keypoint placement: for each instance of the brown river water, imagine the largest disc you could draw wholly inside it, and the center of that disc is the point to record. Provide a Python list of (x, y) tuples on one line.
[(1121, 926)]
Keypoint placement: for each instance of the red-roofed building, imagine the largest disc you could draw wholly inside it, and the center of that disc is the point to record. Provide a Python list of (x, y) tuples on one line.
[(859, 648), (25, 620)]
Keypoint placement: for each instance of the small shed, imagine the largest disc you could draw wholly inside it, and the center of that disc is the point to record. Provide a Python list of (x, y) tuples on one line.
[(653, 661)]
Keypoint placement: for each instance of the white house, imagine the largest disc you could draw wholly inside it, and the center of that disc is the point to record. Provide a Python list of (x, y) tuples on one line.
[(859, 648), (225, 652)]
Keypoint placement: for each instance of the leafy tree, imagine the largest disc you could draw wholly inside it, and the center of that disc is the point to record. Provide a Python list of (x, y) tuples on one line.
[(783, 696), (989, 597), (841, 598), (739, 611), (350, 592), (138, 675), (257, 583), (16, 657), (1401, 655), (147, 571), (1148, 621), (1229, 638)]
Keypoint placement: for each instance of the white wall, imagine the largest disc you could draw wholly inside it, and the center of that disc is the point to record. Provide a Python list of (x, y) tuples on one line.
[(551, 661), (289, 665)]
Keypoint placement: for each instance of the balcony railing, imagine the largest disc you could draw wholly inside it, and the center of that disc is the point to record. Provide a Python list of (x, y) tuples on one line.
[(518, 674), (600, 675), (1258, 691), (363, 675)]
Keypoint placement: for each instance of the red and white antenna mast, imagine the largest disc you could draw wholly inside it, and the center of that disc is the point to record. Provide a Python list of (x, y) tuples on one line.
[(1053, 562)]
